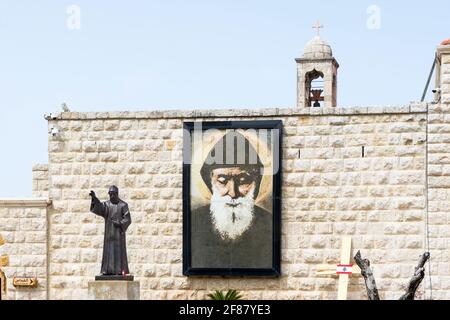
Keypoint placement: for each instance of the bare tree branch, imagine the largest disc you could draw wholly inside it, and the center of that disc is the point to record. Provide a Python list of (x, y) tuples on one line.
[(372, 291), (419, 274), (366, 272)]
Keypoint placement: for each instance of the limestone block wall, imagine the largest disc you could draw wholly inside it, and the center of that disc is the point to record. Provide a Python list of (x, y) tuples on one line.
[(439, 181), (329, 189), (23, 226), (443, 74), (40, 181)]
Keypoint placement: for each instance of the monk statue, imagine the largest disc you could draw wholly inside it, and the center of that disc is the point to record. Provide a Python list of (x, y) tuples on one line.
[(117, 220)]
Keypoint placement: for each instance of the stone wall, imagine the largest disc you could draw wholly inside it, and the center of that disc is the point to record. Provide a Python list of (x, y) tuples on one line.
[(388, 198), (329, 190), (40, 181), (23, 226), (443, 74), (439, 181)]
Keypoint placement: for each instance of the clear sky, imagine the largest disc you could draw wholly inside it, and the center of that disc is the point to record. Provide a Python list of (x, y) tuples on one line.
[(145, 55)]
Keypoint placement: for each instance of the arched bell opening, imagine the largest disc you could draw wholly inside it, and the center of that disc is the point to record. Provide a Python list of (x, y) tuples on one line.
[(314, 87)]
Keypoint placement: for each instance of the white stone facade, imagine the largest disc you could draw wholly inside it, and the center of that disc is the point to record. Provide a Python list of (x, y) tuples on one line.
[(23, 227), (385, 200)]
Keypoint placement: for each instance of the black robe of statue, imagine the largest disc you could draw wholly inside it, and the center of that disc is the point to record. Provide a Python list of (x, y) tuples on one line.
[(114, 246)]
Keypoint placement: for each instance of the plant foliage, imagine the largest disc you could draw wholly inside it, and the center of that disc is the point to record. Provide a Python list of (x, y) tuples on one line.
[(231, 294)]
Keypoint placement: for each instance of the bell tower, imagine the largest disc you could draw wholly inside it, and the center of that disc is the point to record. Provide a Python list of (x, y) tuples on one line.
[(317, 74)]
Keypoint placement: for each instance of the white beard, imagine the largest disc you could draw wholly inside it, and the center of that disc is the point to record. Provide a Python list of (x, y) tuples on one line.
[(231, 222)]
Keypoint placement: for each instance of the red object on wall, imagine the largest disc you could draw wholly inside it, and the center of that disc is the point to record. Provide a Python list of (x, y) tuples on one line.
[(445, 42)]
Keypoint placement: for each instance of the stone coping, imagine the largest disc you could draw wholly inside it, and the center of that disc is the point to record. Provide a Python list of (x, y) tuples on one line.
[(25, 202), (443, 49), (226, 113), (40, 167)]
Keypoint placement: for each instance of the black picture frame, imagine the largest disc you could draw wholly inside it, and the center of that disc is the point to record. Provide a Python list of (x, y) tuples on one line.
[(275, 269)]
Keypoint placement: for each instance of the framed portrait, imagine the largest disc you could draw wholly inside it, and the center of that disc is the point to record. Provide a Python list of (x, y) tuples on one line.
[(232, 198)]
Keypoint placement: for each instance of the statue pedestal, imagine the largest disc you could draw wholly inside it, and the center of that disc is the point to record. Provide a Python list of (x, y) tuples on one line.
[(113, 290), (114, 277)]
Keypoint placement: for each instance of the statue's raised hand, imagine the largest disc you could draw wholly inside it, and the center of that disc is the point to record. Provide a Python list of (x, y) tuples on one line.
[(92, 194)]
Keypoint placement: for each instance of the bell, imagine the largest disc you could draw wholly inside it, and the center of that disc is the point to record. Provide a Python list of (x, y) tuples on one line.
[(316, 97)]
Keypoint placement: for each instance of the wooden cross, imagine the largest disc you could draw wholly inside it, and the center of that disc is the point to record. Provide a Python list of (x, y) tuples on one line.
[(318, 26), (344, 269)]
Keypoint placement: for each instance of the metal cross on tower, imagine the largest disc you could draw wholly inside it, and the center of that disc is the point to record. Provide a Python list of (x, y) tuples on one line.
[(318, 26)]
